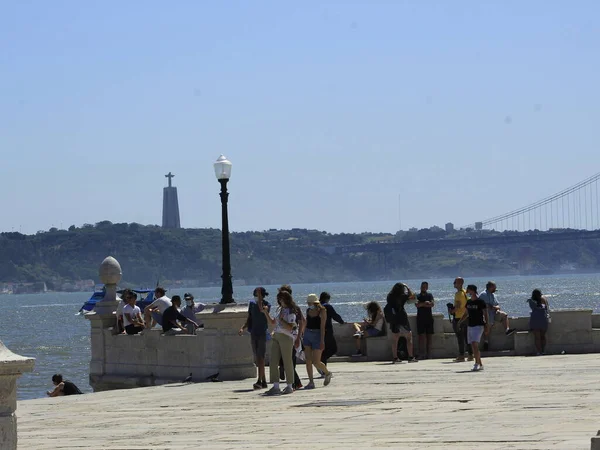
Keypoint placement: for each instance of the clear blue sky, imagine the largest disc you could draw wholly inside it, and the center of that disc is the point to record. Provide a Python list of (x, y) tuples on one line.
[(328, 110)]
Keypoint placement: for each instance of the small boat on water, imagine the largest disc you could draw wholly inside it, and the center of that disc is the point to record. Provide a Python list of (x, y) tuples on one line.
[(145, 297)]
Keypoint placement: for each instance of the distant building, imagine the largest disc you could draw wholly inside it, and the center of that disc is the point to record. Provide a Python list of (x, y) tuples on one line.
[(449, 227), (170, 213), (478, 225)]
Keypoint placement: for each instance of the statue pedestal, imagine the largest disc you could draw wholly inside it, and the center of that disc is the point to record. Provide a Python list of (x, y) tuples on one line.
[(224, 351), (11, 367)]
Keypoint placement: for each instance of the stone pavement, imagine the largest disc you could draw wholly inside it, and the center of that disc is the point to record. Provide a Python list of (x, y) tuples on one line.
[(548, 402)]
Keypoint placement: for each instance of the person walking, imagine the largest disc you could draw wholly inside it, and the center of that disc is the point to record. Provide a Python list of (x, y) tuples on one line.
[(314, 340), (458, 311), (282, 343), (399, 325), (538, 321), (257, 325), (476, 319), (425, 304), (298, 332), (330, 342)]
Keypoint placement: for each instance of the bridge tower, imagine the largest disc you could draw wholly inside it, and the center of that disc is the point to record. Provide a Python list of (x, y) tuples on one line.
[(170, 213)]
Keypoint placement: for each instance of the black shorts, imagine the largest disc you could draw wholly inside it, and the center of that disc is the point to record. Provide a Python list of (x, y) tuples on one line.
[(424, 326), (259, 345), (395, 328)]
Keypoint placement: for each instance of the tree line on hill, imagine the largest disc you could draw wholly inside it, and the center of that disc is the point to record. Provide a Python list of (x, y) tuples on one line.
[(193, 256)]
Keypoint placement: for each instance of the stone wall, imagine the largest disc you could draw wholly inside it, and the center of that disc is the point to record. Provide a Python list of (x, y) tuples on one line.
[(121, 361)]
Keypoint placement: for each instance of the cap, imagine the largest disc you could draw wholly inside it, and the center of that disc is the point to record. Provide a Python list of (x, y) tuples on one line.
[(188, 296)]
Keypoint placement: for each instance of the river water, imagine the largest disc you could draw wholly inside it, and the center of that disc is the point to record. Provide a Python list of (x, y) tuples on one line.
[(47, 327)]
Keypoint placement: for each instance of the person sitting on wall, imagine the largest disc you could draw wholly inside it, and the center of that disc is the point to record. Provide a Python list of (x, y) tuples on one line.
[(132, 315), (190, 310), (494, 312), (153, 313), (170, 318), (120, 329), (62, 387), (371, 326)]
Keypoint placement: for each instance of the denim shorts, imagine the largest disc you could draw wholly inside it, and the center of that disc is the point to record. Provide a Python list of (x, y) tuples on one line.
[(157, 317), (312, 338), (474, 334)]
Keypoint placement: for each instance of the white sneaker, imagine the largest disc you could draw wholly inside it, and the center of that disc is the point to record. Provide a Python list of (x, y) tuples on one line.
[(357, 334), (476, 368)]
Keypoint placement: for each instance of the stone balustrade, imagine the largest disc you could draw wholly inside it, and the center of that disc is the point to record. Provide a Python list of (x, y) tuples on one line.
[(11, 367), (121, 361)]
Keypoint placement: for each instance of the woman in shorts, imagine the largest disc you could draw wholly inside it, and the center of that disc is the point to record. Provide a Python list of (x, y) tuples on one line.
[(371, 326), (477, 317), (314, 340)]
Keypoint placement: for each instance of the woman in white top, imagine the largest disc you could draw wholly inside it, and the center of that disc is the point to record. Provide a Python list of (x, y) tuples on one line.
[(371, 326), (282, 343)]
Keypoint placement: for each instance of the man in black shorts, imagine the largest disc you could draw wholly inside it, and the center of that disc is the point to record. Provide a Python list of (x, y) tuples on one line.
[(425, 306)]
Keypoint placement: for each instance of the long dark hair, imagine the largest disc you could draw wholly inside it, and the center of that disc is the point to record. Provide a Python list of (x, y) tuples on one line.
[(399, 291), (285, 300), (536, 296), (373, 309)]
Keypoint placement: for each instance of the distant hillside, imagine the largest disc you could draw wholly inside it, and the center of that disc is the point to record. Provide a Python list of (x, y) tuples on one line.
[(193, 256)]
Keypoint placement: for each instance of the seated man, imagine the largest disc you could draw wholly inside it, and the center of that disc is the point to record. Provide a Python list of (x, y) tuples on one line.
[(120, 329), (62, 387), (190, 311), (170, 325), (153, 313), (494, 312), (132, 315)]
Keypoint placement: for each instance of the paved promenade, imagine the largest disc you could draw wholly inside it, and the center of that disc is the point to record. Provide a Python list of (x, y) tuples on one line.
[(548, 402)]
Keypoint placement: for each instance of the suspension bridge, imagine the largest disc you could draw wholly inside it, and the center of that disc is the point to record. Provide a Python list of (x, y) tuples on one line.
[(571, 214)]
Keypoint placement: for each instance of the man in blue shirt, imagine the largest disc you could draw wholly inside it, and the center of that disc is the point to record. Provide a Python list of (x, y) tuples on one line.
[(257, 325), (494, 312)]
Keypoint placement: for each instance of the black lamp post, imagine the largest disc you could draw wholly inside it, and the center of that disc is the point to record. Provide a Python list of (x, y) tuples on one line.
[(223, 172)]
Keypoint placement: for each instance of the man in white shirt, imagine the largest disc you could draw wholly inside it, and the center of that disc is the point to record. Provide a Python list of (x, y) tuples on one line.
[(119, 313), (154, 311), (132, 316)]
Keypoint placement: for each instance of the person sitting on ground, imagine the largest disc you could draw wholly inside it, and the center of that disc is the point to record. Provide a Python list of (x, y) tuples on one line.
[(132, 315), (153, 313), (538, 321), (398, 319), (477, 321), (62, 387), (371, 326), (256, 323), (171, 326), (494, 312), (314, 339), (330, 342), (190, 310), (425, 304)]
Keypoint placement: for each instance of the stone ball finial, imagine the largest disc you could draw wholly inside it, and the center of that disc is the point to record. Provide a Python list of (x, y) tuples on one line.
[(110, 271)]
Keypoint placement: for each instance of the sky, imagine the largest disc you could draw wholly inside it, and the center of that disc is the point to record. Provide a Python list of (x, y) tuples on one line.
[(348, 116)]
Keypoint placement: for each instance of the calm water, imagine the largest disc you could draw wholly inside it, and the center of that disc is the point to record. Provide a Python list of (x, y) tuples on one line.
[(46, 326)]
